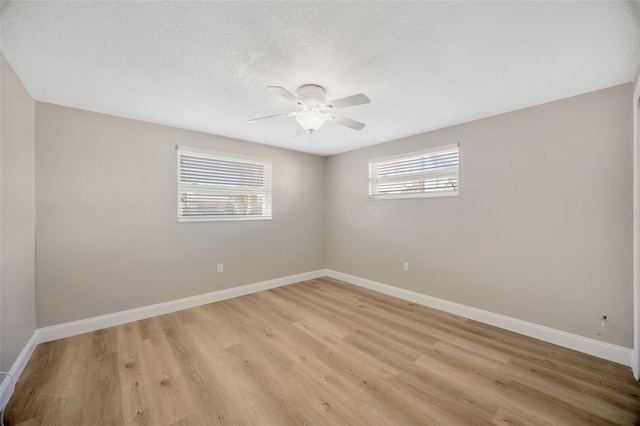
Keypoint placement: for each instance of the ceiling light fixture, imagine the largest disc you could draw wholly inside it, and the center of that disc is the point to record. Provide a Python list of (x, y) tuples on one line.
[(311, 119)]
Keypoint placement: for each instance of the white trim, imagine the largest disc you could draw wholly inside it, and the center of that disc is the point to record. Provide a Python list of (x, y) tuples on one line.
[(60, 331), (17, 368), (203, 189), (431, 194), (237, 218), (413, 177), (449, 147), (221, 155), (593, 347), (635, 364), (68, 329)]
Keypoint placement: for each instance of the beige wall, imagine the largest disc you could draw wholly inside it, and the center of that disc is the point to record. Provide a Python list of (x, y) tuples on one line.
[(17, 217), (541, 229), (108, 239)]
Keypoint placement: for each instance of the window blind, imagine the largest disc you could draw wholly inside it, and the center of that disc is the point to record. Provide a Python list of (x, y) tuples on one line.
[(214, 187), (427, 173)]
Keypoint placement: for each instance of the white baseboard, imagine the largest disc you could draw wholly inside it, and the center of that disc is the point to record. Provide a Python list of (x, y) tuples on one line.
[(60, 331), (590, 346), (68, 329), (593, 347), (16, 369)]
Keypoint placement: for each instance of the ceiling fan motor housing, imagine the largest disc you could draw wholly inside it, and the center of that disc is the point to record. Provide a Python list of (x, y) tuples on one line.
[(311, 94)]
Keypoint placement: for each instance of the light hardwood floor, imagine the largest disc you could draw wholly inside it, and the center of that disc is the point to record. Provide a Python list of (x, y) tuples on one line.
[(321, 352)]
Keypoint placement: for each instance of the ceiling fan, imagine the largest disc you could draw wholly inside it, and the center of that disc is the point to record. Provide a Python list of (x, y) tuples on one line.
[(315, 111)]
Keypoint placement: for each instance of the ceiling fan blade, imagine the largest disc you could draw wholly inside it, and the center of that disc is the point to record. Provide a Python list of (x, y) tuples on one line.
[(349, 101), (353, 124), (289, 114), (284, 93)]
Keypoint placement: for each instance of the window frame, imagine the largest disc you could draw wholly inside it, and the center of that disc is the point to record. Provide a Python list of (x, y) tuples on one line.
[(376, 162), (267, 191)]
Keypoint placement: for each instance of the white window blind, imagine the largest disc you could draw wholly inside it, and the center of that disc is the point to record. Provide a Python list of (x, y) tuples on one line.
[(427, 173), (214, 187)]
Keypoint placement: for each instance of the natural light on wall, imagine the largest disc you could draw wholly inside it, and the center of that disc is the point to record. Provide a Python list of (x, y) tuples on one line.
[(214, 187), (427, 173)]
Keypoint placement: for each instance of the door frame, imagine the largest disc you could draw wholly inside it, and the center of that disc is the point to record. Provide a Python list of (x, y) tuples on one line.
[(635, 362)]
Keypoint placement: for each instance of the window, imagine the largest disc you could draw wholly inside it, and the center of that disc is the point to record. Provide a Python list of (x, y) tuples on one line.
[(214, 187), (429, 173)]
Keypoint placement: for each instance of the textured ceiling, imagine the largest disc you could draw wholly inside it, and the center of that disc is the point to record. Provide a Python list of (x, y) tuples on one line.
[(425, 65)]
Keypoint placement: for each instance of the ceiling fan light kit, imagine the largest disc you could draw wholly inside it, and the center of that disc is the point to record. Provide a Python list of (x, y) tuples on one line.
[(314, 110), (310, 119)]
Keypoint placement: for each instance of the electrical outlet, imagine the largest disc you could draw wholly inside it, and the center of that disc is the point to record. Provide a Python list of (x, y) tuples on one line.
[(603, 318), (220, 267), (405, 267)]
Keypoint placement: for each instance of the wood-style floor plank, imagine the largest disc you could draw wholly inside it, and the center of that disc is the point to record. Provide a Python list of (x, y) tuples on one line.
[(320, 352)]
